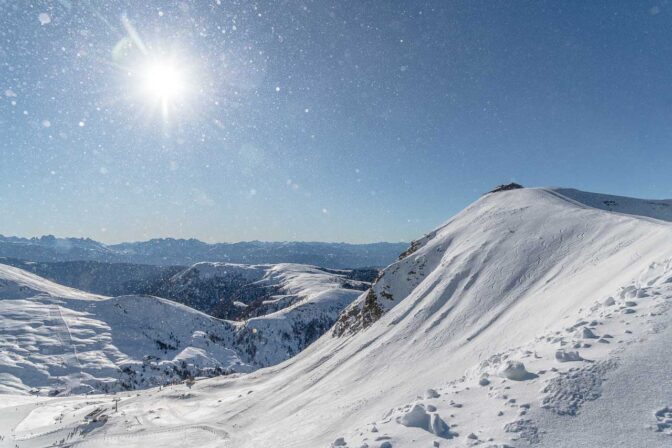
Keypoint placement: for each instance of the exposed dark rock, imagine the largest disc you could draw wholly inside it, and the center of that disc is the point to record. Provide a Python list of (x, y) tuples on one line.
[(506, 187)]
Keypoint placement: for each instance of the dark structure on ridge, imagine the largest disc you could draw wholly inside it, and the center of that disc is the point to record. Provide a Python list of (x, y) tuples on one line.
[(506, 187)]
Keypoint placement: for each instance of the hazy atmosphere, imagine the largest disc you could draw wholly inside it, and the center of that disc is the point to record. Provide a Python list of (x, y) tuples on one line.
[(330, 121)]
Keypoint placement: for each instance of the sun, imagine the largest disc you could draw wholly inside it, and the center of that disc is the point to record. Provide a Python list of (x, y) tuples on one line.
[(161, 78), (164, 84), (168, 86), (163, 81)]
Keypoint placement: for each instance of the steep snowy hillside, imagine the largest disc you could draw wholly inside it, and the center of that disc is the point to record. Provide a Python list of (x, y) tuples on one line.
[(515, 323), (57, 340), (450, 260)]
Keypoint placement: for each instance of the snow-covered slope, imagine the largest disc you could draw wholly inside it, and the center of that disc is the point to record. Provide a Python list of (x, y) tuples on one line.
[(109, 279), (657, 209), (516, 248), (224, 290), (57, 340), (305, 303), (500, 327), (239, 291), (18, 284)]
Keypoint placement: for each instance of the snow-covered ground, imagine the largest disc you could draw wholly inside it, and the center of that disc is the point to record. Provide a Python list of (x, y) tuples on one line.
[(56, 340), (239, 291), (535, 316)]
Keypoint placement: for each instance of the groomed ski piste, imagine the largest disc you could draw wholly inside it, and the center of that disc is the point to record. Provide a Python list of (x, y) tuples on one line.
[(533, 317)]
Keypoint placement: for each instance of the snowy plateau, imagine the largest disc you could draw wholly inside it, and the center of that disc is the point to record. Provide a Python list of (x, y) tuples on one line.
[(534, 317)]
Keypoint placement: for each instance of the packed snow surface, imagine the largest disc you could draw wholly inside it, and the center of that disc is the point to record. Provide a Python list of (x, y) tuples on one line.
[(517, 322)]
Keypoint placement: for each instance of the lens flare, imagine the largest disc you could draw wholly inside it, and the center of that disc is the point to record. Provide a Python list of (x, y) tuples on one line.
[(160, 77)]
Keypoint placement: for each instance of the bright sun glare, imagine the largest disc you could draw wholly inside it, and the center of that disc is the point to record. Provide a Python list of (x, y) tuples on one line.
[(160, 79), (163, 81)]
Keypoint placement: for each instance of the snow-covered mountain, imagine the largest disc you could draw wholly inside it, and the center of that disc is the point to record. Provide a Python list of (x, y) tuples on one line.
[(236, 291), (109, 279), (58, 340), (534, 316), (169, 251), (222, 290)]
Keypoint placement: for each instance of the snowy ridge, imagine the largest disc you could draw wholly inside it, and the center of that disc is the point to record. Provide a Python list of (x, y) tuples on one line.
[(16, 283), (58, 340), (505, 326), (238, 292), (424, 261), (656, 209), (306, 304), (304, 281), (207, 270), (56, 345)]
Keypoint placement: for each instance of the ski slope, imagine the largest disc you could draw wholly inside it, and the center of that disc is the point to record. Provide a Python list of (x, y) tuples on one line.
[(514, 323)]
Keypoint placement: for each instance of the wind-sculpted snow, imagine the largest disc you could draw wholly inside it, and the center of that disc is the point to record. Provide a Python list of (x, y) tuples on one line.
[(57, 340), (514, 244), (525, 306), (63, 346), (656, 209)]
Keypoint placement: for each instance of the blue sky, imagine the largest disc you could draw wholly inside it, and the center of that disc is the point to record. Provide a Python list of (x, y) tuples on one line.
[(333, 121)]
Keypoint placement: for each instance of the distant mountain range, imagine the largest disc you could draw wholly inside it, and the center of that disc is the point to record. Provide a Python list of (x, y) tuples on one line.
[(169, 251)]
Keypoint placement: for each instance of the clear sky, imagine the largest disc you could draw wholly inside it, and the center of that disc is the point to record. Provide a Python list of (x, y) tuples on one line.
[(312, 120)]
